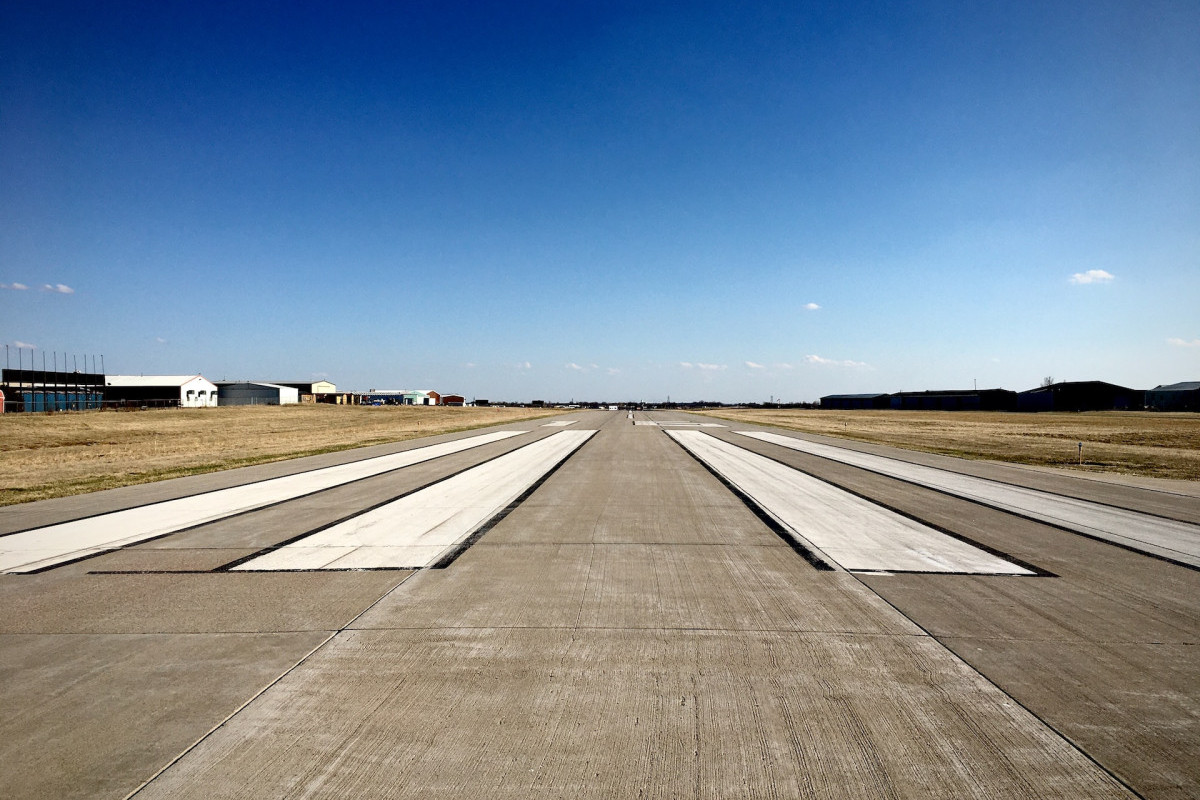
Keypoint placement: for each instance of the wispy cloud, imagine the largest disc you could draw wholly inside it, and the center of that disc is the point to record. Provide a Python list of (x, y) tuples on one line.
[(24, 345), (523, 365), (1092, 276), (160, 340), (686, 364), (58, 288), (811, 307), (832, 362), (19, 287), (612, 371), (710, 367), (752, 365), (470, 365), (574, 366), (1184, 342)]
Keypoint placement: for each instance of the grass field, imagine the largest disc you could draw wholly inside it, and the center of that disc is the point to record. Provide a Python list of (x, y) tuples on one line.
[(1149, 444), (55, 455)]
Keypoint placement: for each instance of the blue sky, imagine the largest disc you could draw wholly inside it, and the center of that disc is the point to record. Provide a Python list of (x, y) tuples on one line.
[(701, 200)]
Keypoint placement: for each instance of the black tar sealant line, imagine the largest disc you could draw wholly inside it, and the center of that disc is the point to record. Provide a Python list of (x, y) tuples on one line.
[(776, 527), (1037, 571), (359, 513)]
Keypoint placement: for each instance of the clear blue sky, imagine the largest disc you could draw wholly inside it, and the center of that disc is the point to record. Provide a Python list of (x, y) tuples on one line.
[(519, 200)]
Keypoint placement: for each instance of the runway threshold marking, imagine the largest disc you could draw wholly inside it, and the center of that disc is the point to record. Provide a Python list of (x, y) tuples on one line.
[(1168, 539), (859, 535), (40, 548), (414, 531), (560, 424)]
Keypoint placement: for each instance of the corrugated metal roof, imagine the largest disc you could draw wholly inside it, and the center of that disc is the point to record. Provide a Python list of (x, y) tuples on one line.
[(854, 396), (150, 380), (1186, 386)]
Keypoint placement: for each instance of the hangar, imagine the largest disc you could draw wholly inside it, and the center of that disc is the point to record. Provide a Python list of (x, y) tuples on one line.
[(252, 393), (1175, 397), (956, 400), (314, 391), (849, 402), (161, 391), (1080, 396)]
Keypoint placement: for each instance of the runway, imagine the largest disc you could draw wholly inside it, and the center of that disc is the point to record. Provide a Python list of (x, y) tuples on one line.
[(600, 606)]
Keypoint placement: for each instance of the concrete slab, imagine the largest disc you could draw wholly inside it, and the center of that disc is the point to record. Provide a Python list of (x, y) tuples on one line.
[(619, 713), (186, 603), (1146, 710), (731, 588), (92, 716)]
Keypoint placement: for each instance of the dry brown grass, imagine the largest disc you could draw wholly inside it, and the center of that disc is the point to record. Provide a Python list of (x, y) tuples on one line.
[(1135, 443), (55, 455)]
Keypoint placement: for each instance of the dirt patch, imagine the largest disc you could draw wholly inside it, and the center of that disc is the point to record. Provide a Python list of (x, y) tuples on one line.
[(56, 455), (1149, 444)]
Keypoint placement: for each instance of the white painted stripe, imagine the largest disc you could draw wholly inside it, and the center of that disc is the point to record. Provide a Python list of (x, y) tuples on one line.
[(560, 424), (415, 530), (53, 544), (857, 534), (1175, 540)]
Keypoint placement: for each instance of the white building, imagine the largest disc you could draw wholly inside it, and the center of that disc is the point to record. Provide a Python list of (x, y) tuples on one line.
[(184, 391)]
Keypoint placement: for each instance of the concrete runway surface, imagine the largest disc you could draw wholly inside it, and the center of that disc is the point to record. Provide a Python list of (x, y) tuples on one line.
[(604, 608)]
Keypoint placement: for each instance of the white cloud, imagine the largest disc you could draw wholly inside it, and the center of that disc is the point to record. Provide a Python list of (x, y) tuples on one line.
[(20, 287), (612, 370), (1092, 276), (784, 366), (58, 288), (470, 365), (523, 365), (685, 364), (832, 362), (160, 340), (752, 365), (1184, 342), (811, 307), (710, 366), (574, 366), (24, 346)]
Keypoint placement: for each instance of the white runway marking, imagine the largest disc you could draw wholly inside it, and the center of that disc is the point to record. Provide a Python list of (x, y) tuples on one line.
[(859, 535), (415, 530), (1179, 541), (53, 544), (560, 424)]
